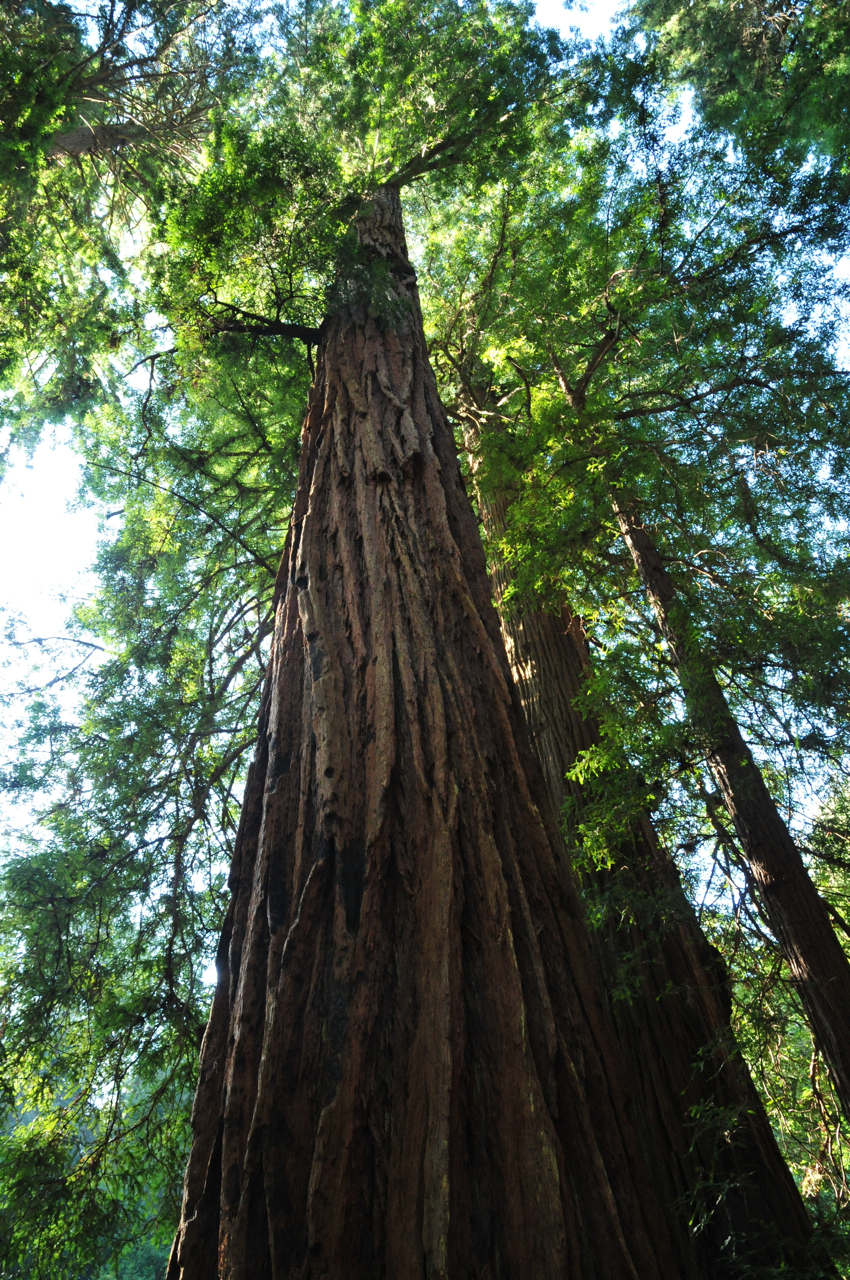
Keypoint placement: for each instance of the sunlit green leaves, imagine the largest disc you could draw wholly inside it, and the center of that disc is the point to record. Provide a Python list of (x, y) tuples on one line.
[(112, 906), (775, 75), (653, 321)]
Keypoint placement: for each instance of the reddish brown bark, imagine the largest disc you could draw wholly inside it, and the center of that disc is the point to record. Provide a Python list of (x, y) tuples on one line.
[(408, 1069), (792, 905), (704, 1132), (727, 1193)]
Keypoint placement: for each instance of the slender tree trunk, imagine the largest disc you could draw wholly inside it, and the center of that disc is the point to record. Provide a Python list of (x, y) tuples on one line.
[(408, 1069), (94, 139), (794, 909), (727, 1193)]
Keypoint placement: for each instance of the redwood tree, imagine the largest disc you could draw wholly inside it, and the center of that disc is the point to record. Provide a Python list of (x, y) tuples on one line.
[(725, 1189), (796, 912), (628, 413), (408, 1069), (794, 909)]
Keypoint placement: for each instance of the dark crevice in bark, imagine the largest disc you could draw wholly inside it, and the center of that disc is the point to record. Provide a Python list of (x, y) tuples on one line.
[(795, 911), (408, 1059)]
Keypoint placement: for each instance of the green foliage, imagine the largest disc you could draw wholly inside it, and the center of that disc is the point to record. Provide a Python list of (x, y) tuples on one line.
[(620, 315), (403, 88), (776, 75), (41, 45), (628, 310), (142, 1262), (148, 72), (651, 322), (138, 799)]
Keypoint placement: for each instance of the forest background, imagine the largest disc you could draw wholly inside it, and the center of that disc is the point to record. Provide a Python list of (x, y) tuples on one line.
[(653, 254)]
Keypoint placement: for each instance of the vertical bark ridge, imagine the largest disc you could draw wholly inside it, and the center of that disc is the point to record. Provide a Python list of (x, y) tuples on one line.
[(409, 1070), (794, 909), (728, 1195)]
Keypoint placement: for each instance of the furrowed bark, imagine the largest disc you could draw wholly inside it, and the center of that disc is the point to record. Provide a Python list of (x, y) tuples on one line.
[(728, 1196), (408, 1070), (794, 909)]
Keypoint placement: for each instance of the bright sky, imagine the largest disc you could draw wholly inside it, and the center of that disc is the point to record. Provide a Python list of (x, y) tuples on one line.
[(592, 17), (49, 544), (48, 547)]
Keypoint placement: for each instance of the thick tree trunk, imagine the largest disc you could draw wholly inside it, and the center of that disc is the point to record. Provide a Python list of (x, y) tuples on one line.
[(794, 909), (408, 1069), (728, 1195)]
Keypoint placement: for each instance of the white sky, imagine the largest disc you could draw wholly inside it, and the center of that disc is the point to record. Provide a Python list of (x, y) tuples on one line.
[(592, 17), (48, 544), (48, 548)]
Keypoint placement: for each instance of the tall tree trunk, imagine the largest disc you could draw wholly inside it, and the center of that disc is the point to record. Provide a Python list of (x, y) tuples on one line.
[(408, 1069), (794, 909), (728, 1194)]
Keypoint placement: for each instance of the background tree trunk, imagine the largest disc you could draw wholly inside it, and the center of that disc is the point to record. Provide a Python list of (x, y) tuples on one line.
[(408, 1069), (727, 1193), (794, 909), (92, 139)]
